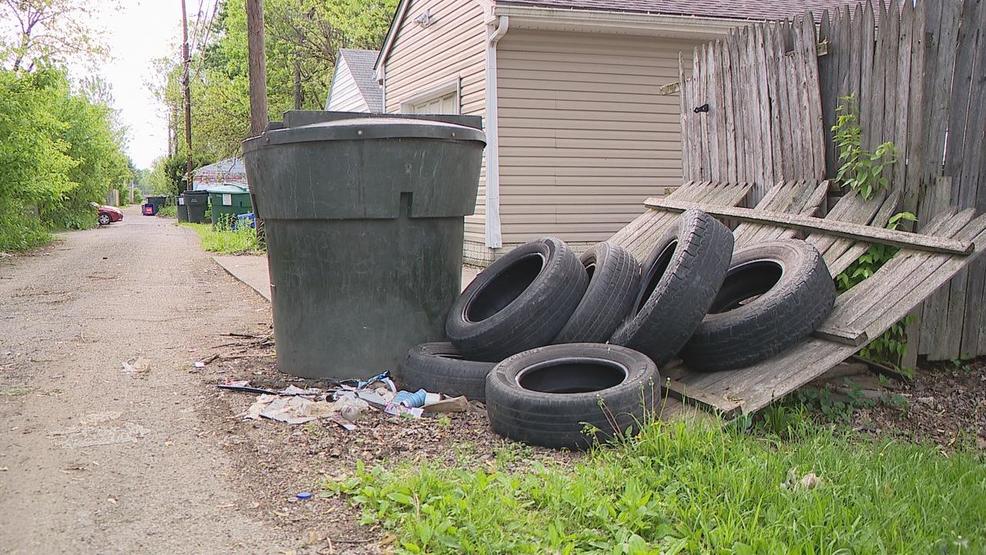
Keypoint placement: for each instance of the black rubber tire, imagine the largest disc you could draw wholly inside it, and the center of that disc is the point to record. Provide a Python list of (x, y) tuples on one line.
[(520, 302), (440, 368), (796, 294), (679, 282), (539, 397), (614, 279)]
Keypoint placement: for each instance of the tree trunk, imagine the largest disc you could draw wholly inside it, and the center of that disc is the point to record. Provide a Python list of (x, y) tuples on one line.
[(257, 66)]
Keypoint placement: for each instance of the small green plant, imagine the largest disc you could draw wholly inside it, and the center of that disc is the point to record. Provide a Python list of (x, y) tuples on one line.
[(890, 347), (168, 211), (444, 421), (861, 170)]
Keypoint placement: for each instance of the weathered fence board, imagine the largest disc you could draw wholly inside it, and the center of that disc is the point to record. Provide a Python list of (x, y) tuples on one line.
[(764, 117)]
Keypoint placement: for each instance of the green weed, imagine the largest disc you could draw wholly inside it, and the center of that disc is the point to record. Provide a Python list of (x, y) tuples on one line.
[(221, 239), (168, 211), (683, 488)]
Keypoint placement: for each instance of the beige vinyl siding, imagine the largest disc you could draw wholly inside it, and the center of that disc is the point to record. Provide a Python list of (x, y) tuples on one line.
[(452, 48), (344, 95), (584, 135)]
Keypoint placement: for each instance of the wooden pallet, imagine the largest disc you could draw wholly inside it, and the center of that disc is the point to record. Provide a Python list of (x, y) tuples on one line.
[(925, 262)]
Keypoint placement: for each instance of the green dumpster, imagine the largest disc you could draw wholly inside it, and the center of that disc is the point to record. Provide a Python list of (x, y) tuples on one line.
[(228, 201), (196, 203), (364, 224)]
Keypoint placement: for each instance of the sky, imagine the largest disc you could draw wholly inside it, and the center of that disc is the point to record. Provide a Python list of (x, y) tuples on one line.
[(137, 33)]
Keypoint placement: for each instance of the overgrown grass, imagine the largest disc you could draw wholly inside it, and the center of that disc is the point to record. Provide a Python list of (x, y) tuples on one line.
[(691, 489), (168, 211), (226, 241), (21, 232)]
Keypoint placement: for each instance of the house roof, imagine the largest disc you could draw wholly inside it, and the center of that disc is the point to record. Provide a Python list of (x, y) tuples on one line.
[(725, 9), (230, 170), (757, 10), (360, 64)]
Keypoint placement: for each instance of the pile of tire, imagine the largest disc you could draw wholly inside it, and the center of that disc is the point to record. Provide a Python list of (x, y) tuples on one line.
[(565, 350)]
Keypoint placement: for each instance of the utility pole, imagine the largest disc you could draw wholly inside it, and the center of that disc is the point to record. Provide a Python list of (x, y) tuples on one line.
[(185, 59), (257, 69), (257, 66)]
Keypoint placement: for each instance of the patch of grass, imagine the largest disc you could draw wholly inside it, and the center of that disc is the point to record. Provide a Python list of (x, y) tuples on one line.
[(226, 241), (691, 489), (168, 211)]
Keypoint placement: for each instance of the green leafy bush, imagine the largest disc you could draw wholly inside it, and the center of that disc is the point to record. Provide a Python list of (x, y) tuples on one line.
[(861, 170), (58, 153)]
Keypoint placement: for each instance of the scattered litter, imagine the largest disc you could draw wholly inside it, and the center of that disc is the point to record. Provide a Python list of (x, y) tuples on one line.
[(291, 410), (411, 400), (807, 482), (136, 366), (304, 495), (3, 469), (199, 364)]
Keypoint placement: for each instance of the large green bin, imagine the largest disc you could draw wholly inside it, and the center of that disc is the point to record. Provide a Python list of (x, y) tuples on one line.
[(228, 202), (181, 209), (364, 225), (196, 203)]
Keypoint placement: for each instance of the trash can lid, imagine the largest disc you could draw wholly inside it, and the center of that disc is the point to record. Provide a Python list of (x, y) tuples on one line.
[(367, 128), (227, 189)]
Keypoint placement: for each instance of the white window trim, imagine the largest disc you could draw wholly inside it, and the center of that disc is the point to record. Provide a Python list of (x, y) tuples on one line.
[(432, 93)]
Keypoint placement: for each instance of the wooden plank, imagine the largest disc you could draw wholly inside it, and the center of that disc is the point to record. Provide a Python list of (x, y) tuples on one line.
[(827, 75), (903, 95), (899, 306), (903, 271), (765, 171), (772, 56), (855, 51), (915, 107), (838, 263), (842, 229), (729, 122), (866, 72), (682, 115), (787, 148), (965, 160), (890, 59), (812, 98), (874, 96), (739, 107), (710, 121), (943, 22)]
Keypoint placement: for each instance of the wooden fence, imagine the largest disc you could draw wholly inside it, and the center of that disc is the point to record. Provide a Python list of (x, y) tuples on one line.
[(751, 111), (916, 71)]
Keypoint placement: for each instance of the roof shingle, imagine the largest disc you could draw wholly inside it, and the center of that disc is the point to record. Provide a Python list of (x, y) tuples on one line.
[(360, 63)]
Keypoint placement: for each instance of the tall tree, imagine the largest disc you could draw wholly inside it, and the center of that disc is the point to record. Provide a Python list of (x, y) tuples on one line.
[(54, 30)]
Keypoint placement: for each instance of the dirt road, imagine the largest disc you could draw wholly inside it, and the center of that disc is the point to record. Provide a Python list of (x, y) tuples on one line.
[(97, 459)]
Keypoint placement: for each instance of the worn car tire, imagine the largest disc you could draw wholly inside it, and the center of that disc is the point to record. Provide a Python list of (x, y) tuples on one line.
[(440, 368), (520, 302), (103, 219), (775, 294), (614, 279), (679, 281), (548, 396)]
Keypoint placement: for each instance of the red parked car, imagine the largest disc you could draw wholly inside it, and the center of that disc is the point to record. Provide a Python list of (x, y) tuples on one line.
[(107, 214)]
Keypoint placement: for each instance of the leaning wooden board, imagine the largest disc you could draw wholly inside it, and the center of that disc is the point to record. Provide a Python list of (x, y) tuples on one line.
[(889, 298)]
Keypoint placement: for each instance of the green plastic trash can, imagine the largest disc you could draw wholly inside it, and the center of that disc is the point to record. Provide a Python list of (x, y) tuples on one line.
[(196, 203), (158, 201), (182, 209), (228, 202), (364, 225)]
